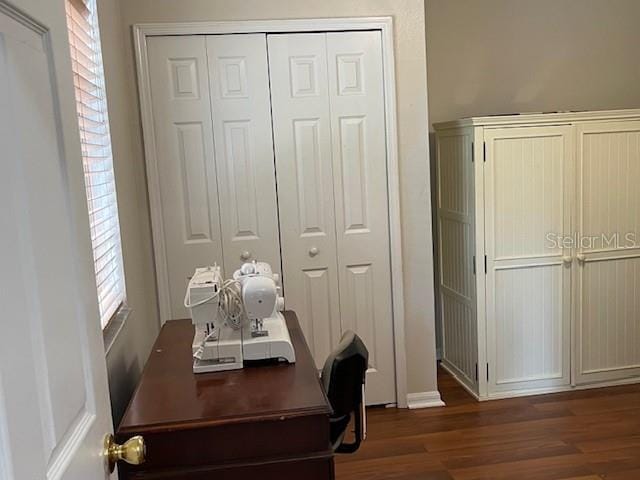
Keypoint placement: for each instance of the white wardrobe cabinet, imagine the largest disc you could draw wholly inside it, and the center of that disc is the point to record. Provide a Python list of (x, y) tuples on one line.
[(273, 147), (539, 251)]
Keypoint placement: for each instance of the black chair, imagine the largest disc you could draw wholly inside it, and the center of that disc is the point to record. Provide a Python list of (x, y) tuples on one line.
[(343, 377)]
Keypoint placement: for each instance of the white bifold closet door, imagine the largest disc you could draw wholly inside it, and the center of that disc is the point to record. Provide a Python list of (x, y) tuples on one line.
[(528, 199), (608, 267), (214, 151), (328, 118)]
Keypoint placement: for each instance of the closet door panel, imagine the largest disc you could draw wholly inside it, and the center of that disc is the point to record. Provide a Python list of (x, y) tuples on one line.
[(302, 135), (528, 203), (356, 97), (240, 106), (185, 160), (608, 309)]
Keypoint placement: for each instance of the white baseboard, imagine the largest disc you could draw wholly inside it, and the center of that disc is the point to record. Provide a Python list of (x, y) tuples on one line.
[(424, 400)]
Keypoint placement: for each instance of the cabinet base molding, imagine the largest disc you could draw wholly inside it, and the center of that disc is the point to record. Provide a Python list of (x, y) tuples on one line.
[(454, 372), (566, 388)]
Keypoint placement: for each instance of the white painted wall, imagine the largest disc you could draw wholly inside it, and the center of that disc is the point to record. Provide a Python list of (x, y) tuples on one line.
[(413, 146)]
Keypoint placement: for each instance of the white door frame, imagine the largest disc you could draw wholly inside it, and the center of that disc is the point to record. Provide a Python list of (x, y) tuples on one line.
[(385, 26)]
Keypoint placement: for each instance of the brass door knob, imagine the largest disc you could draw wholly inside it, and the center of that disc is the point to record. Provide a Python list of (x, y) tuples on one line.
[(132, 451)]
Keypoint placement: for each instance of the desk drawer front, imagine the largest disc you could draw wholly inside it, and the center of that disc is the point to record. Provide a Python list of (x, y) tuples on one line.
[(309, 468), (241, 442)]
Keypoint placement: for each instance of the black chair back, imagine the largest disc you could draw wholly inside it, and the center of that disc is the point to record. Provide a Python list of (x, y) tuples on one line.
[(343, 377)]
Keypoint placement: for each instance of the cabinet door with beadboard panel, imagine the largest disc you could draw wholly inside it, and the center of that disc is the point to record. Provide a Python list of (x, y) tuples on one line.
[(356, 98), (457, 265), (302, 136), (528, 201), (241, 110), (608, 267), (185, 161)]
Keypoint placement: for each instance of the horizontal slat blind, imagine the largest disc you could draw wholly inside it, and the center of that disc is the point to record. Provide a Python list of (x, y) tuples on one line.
[(91, 104)]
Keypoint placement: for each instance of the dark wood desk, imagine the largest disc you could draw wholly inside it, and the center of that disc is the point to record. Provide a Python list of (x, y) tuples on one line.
[(262, 422)]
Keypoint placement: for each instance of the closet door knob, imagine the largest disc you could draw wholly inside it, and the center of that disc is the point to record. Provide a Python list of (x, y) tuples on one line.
[(245, 255), (313, 251), (581, 258), (567, 260)]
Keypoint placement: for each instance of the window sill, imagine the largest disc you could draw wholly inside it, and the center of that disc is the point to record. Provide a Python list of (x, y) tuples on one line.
[(114, 327)]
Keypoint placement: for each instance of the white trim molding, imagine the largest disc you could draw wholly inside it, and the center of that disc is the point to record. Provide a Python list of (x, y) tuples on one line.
[(385, 26), (424, 400)]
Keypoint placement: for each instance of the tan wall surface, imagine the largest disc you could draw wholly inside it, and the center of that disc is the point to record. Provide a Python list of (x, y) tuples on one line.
[(412, 121), (507, 56), (133, 344)]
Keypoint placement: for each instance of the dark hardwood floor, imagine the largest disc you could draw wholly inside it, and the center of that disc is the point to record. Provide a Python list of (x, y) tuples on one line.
[(583, 435)]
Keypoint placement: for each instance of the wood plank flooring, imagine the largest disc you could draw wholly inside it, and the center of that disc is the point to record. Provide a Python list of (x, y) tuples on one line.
[(583, 435)]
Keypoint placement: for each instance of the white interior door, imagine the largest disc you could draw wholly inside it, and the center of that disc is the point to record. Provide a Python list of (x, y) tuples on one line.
[(302, 136), (214, 156), (239, 81), (608, 305), (328, 116), (54, 408), (356, 97), (186, 172), (528, 192)]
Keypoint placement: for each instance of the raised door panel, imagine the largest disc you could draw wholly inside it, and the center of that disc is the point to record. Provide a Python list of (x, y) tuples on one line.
[(54, 401), (356, 98), (609, 197), (609, 326), (241, 110), (528, 325), (186, 170), (528, 210), (608, 309), (302, 136)]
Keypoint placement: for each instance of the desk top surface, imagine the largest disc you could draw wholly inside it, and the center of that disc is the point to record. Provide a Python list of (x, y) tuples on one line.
[(170, 396)]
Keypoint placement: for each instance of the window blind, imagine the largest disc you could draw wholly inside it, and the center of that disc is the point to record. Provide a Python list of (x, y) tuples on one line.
[(91, 105)]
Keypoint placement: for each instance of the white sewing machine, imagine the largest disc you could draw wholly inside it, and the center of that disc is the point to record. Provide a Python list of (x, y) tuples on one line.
[(237, 319)]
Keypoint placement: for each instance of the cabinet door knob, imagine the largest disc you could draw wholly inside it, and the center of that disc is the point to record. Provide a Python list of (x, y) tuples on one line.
[(313, 251), (581, 258), (246, 255), (567, 260)]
